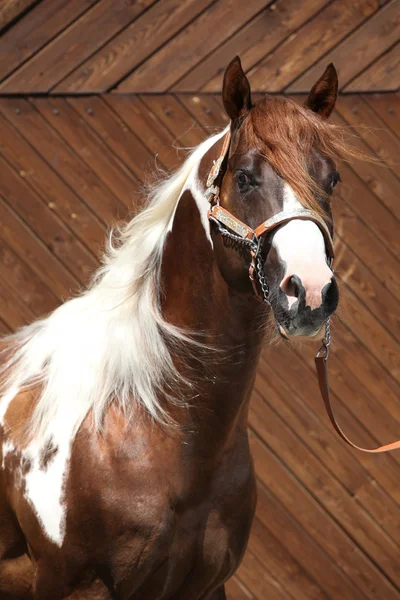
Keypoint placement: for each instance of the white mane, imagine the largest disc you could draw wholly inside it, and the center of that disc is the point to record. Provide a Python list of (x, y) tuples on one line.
[(110, 342)]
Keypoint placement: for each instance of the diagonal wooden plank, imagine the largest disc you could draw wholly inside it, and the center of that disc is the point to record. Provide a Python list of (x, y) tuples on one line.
[(136, 43), (58, 58), (266, 31), (261, 581), (46, 224), (305, 412), (11, 9), (379, 179), (237, 591), (387, 106), (366, 286), (352, 574), (32, 291), (359, 50), (4, 328), (14, 312), (54, 150), (45, 21), (371, 128), (273, 556), (31, 249), (328, 492), (309, 553), (328, 28), (181, 124), (55, 193), (164, 68), (383, 74), (88, 146), (114, 133), (148, 128)]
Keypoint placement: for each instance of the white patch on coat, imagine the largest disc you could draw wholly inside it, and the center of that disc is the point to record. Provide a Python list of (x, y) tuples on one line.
[(45, 486), (300, 245)]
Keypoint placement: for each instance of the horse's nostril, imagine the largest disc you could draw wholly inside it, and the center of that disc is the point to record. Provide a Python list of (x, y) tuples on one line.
[(296, 285), (330, 296)]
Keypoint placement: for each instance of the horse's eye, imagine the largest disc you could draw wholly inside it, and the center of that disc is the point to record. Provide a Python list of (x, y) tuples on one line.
[(244, 181), (335, 178)]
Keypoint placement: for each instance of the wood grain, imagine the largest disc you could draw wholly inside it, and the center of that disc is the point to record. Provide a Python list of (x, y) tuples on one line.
[(327, 522)]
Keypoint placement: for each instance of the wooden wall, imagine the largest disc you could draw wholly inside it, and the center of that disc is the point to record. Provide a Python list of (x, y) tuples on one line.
[(90, 46), (328, 518)]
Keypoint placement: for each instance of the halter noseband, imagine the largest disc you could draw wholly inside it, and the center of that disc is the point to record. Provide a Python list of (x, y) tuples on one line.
[(231, 227)]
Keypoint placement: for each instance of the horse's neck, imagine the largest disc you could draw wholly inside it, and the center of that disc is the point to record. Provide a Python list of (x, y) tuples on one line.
[(198, 299)]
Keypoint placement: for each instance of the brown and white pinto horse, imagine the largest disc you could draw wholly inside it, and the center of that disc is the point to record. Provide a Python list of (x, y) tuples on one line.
[(125, 469)]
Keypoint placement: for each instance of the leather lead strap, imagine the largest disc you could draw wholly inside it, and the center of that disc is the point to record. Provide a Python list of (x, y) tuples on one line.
[(322, 374)]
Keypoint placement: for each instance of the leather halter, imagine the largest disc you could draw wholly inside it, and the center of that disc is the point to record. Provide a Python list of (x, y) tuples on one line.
[(226, 221)]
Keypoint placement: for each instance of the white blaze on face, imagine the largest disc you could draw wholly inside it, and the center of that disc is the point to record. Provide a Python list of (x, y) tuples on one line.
[(300, 246)]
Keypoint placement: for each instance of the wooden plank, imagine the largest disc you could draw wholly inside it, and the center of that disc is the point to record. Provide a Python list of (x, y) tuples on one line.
[(371, 333), (66, 51), (88, 146), (357, 523), (370, 127), (20, 277), (13, 311), (387, 106), (349, 399), (381, 75), (252, 42), (259, 580), (310, 556), (4, 328), (296, 406), (166, 66), (11, 9), (359, 278), (46, 224), (364, 185), (55, 193), (236, 590), (54, 150), (133, 45), (364, 46), (33, 251), (273, 557), (382, 182), (116, 135), (206, 111), (306, 528), (306, 415), (304, 47), (371, 393), (364, 243), (36, 29), (148, 128), (183, 127)]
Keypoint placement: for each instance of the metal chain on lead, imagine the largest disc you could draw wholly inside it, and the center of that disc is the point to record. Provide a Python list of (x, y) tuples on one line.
[(262, 280)]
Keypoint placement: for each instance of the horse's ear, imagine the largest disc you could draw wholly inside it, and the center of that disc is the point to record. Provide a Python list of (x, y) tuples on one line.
[(236, 91), (322, 97)]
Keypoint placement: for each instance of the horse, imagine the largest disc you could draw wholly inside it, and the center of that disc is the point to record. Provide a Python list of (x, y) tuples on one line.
[(125, 470)]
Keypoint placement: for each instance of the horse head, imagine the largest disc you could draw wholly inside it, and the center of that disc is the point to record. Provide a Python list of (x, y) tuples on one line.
[(279, 170)]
